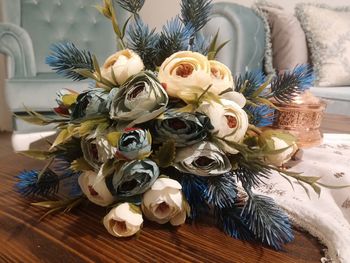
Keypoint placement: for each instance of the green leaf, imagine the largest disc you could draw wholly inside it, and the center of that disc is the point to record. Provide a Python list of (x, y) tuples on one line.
[(113, 138), (125, 25), (218, 49), (166, 154), (63, 136), (65, 205), (96, 65), (37, 154), (81, 165)]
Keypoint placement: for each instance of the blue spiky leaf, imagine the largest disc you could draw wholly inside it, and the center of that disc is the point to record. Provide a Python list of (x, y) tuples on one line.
[(194, 187), (230, 221), (143, 41), (133, 6), (267, 221), (66, 58), (222, 190), (249, 82), (195, 13), (289, 84), (173, 38)]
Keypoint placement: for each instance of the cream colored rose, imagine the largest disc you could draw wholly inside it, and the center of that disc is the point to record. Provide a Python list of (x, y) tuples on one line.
[(124, 64), (221, 77), (164, 202), (230, 122), (124, 220), (95, 188), (283, 157), (235, 97), (184, 70)]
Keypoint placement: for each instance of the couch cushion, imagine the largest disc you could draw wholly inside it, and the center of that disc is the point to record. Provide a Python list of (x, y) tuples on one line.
[(52, 21), (289, 48), (328, 34), (337, 98), (38, 93)]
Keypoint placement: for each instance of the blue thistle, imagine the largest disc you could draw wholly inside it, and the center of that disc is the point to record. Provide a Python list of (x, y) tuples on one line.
[(261, 115), (267, 221), (65, 58), (249, 82), (29, 185)]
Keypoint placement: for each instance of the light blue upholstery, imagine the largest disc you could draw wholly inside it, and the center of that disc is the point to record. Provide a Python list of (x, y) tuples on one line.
[(245, 30), (29, 28)]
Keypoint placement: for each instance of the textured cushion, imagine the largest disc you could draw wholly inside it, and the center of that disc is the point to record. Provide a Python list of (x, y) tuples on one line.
[(38, 93), (289, 47), (51, 21), (328, 35)]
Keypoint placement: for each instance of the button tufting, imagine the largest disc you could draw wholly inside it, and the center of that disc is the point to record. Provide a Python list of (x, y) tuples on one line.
[(59, 3)]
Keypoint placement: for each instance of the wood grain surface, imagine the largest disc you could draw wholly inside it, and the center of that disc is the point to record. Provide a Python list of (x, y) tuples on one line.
[(81, 237)]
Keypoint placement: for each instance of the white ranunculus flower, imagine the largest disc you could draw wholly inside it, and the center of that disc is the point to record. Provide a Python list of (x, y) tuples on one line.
[(283, 157), (124, 220), (95, 188), (124, 64), (230, 122), (164, 202), (184, 70), (235, 97), (221, 77)]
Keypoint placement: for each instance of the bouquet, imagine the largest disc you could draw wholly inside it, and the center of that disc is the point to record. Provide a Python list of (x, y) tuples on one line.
[(166, 133)]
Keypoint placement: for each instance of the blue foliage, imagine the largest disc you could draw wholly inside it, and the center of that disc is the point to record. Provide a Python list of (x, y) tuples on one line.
[(65, 58), (267, 221), (29, 185), (249, 82), (261, 115), (133, 6), (70, 184), (173, 38), (289, 84), (201, 44), (221, 190), (195, 13), (305, 75), (230, 221), (194, 188), (143, 41)]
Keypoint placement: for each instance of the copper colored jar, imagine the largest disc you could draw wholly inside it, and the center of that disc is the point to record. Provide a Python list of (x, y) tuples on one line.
[(302, 118)]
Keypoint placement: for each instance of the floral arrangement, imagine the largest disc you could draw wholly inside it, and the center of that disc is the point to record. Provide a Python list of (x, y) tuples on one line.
[(166, 133)]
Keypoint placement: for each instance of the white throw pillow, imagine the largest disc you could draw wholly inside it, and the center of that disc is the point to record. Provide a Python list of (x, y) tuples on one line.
[(327, 31)]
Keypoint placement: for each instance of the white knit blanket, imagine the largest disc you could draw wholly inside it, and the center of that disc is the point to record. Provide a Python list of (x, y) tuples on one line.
[(326, 217)]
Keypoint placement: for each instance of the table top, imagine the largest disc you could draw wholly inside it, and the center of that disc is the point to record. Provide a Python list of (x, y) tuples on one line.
[(81, 237)]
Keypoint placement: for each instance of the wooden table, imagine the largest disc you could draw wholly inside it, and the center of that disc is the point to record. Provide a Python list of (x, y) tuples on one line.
[(81, 237)]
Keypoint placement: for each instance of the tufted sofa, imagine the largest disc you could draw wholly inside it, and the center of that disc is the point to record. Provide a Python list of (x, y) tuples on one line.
[(29, 28)]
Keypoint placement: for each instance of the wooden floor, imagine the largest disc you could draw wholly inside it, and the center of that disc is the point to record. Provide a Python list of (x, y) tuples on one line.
[(81, 237)]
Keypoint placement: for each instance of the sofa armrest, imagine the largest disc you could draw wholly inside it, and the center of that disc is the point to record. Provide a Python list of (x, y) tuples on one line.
[(16, 43)]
